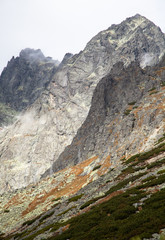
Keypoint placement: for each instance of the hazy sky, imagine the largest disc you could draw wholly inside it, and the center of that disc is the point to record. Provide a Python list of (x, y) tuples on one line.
[(60, 26)]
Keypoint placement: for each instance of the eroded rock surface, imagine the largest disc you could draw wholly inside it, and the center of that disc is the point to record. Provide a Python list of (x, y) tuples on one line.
[(34, 142), (126, 116)]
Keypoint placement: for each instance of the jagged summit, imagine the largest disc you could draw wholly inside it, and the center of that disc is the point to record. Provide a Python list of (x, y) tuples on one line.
[(136, 38), (32, 54), (86, 118), (135, 20), (58, 100), (25, 78), (36, 55), (66, 58)]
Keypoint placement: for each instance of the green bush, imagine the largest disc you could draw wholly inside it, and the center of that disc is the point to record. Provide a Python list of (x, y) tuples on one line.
[(141, 157), (154, 182), (123, 183), (6, 211), (56, 199), (128, 170), (162, 236), (46, 216), (153, 92), (152, 89), (89, 202), (124, 212), (161, 139), (127, 112), (133, 158), (60, 214), (135, 238), (161, 171), (75, 198), (148, 178), (156, 164), (131, 103), (97, 167), (29, 222)]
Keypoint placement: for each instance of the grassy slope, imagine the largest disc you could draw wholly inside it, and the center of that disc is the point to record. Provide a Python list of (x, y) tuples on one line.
[(135, 213)]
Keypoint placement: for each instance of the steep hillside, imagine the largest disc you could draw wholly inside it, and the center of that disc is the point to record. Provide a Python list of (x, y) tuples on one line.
[(126, 116), (34, 142), (113, 194), (125, 203)]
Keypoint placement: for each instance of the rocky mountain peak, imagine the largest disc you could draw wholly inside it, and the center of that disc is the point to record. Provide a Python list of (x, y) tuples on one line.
[(32, 54), (94, 129), (66, 58), (136, 38), (58, 100), (25, 78), (36, 56)]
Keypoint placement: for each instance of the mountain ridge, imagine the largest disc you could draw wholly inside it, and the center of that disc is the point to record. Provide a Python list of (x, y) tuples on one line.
[(86, 159), (125, 101), (43, 131)]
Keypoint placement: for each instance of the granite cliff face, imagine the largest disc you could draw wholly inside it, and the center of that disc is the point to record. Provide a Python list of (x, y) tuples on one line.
[(125, 118), (53, 116)]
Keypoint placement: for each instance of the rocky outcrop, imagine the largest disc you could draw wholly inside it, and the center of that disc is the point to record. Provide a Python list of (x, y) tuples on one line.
[(34, 142), (126, 113), (25, 78)]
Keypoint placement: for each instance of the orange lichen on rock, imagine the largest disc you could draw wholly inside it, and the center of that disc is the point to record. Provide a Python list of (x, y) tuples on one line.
[(159, 72), (79, 168), (61, 230), (14, 201), (63, 188), (104, 166)]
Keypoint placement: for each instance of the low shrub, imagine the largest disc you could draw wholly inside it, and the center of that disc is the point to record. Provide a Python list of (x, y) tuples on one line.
[(97, 167), (128, 170), (46, 216), (161, 171), (133, 158), (154, 182), (152, 89), (156, 164), (131, 103), (56, 199), (162, 83), (127, 112), (140, 157), (123, 183), (161, 139), (89, 202), (6, 211), (153, 92), (148, 178), (60, 214), (75, 198)]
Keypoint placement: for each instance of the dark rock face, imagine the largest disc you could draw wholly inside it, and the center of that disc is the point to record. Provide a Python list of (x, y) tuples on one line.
[(66, 58), (25, 78), (110, 116)]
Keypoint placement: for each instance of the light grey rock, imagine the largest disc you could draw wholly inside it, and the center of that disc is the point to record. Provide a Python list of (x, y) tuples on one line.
[(34, 142)]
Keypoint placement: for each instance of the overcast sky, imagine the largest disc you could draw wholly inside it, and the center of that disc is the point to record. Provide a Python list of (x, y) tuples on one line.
[(60, 26)]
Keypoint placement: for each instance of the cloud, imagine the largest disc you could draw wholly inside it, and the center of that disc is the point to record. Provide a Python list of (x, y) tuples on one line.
[(148, 59)]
